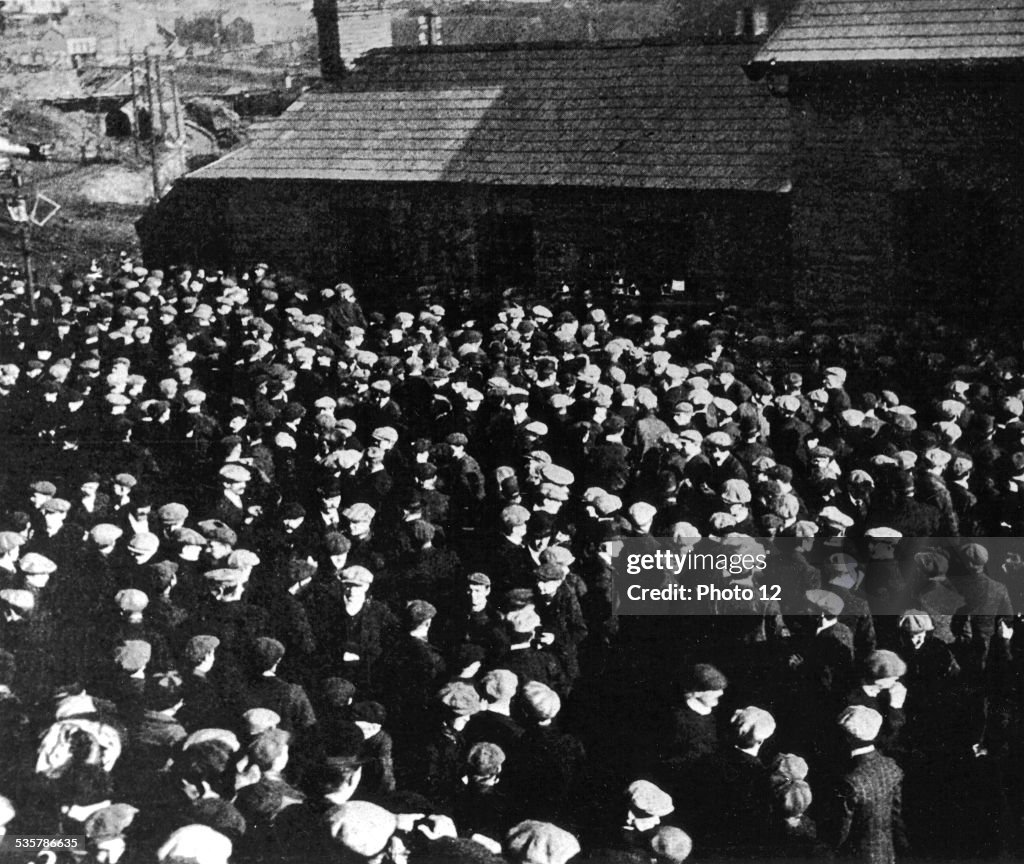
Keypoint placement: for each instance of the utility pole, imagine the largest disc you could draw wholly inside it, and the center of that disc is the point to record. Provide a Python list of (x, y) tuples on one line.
[(25, 231), (152, 129), (177, 105), (135, 103), (160, 98)]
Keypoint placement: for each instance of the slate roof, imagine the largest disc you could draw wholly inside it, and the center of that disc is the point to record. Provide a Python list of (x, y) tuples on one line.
[(618, 116), (822, 31)]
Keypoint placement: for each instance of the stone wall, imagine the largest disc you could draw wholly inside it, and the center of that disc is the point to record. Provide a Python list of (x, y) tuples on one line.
[(479, 239), (907, 186)]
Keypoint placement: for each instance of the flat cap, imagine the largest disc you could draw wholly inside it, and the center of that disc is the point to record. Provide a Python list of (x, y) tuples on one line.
[(199, 647), (109, 822), (752, 721), (540, 701), (216, 531), (359, 512), (418, 611), (56, 505), (234, 473), (126, 480), (18, 598), (549, 573), (479, 579), (243, 559), (884, 664), (485, 759), (719, 439), (337, 543), (646, 799), (974, 554), (198, 843), (385, 433), (861, 722), (34, 564), (533, 842), (224, 575), (642, 513), (670, 845), (188, 537), (787, 767), (144, 542), (362, 828), (10, 540), (704, 677), (105, 534), (514, 515), (916, 621), (826, 602), (172, 512), (43, 487), (882, 532), (356, 575), (554, 492), (459, 697), (735, 492), (835, 516), (133, 654), (266, 652), (558, 475), (260, 720), (131, 600)]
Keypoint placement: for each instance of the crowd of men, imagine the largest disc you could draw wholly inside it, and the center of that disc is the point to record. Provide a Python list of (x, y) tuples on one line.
[(283, 579)]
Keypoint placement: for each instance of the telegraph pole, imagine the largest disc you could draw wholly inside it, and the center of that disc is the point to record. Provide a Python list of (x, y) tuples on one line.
[(135, 103), (25, 230), (152, 129)]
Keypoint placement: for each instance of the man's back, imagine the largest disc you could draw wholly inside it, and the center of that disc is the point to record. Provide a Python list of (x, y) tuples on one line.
[(868, 799)]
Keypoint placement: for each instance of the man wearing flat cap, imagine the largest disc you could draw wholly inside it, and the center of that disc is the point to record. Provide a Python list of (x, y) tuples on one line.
[(230, 505), (693, 731), (265, 690), (464, 482), (412, 669), (987, 600), (866, 809), (472, 618), (225, 612), (563, 627), (880, 688), (132, 623), (735, 812), (361, 630)]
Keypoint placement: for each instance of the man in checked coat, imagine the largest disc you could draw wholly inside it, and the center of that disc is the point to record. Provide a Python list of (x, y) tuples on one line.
[(867, 803)]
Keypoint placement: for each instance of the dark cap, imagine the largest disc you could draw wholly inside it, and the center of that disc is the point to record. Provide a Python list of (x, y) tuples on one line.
[(703, 677), (336, 543), (338, 692), (198, 647), (418, 611), (368, 712), (266, 652)]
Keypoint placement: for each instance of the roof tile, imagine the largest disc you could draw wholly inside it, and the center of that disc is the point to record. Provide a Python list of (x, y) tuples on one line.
[(627, 116)]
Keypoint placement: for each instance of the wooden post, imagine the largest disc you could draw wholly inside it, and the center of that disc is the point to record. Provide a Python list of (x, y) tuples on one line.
[(175, 98), (152, 129), (135, 102), (160, 98), (25, 232)]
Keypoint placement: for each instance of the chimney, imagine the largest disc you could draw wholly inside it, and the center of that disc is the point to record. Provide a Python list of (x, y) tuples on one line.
[(328, 38), (752, 21)]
